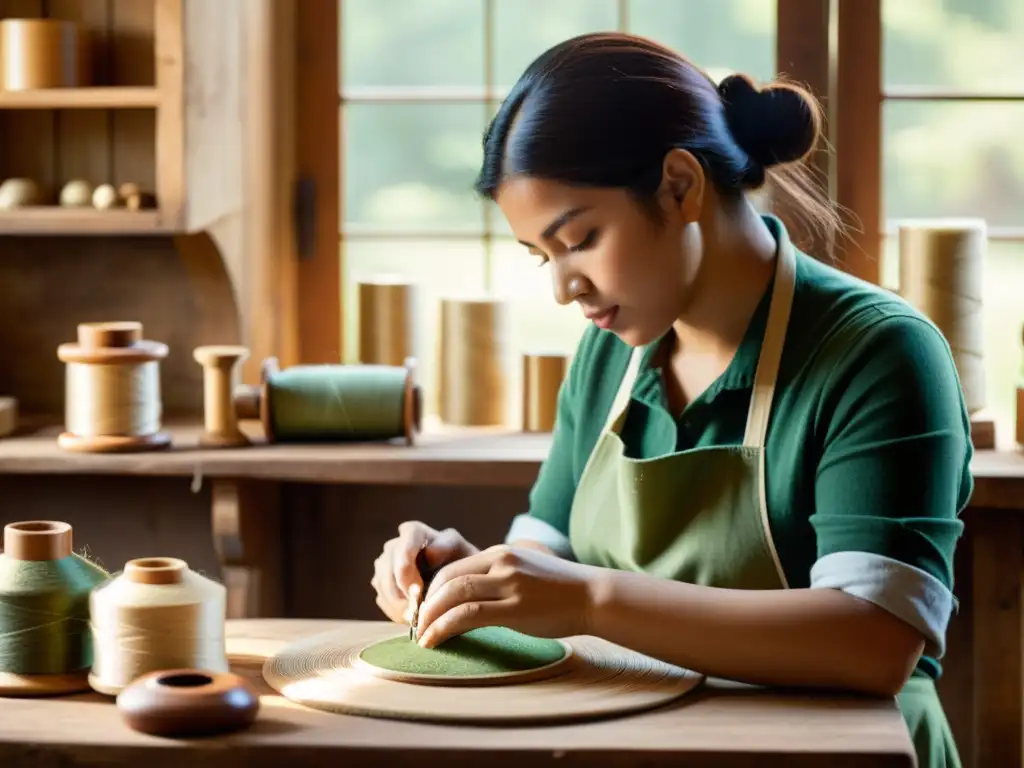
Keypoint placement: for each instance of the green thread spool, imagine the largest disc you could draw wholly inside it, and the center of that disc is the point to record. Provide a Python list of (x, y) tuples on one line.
[(45, 642), (334, 403)]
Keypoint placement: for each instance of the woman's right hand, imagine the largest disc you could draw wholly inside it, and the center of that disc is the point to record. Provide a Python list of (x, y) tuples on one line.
[(395, 572)]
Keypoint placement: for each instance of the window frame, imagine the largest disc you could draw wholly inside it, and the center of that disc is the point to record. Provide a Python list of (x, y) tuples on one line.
[(802, 55)]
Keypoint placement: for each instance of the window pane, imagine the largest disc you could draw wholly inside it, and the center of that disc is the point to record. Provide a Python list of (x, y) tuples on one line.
[(425, 42), (954, 159), (1004, 316), (412, 166), (438, 267), (524, 29), (539, 322), (988, 53), (721, 37)]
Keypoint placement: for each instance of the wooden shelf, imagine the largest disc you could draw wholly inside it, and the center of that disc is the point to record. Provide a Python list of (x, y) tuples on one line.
[(111, 97), (54, 220), (442, 456)]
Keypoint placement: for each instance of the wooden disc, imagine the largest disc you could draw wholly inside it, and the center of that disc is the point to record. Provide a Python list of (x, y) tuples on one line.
[(599, 679), (15, 686), (114, 443)]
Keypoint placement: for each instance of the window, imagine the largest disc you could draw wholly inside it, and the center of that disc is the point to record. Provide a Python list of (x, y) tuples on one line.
[(419, 82), (952, 120)]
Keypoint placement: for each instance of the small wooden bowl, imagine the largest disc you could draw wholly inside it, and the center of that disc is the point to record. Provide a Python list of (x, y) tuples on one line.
[(188, 702)]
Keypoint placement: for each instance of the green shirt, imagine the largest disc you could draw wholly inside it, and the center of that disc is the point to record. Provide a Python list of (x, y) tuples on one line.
[(868, 448)]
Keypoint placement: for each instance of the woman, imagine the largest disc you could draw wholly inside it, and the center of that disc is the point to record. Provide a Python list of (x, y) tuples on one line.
[(759, 461)]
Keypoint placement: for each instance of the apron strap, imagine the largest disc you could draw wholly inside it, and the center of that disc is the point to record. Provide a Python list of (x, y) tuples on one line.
[(771, 348), (625, 387)]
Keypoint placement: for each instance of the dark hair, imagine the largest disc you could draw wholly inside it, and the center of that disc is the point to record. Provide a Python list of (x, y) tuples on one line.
[(603, 109)]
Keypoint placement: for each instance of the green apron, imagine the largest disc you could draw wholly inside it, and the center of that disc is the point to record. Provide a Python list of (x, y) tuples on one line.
[(700, 516)]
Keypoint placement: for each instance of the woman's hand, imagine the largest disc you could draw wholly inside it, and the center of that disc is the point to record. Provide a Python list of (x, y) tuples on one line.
[(395, 573), (523, 589)]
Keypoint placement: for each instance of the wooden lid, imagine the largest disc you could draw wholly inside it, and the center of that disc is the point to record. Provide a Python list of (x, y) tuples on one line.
[(156, 570), (37, 540), (111, 342)]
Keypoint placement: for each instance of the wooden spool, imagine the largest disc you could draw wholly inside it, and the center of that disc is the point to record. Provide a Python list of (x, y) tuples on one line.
[(220, 419), (257, 402), (110, 344), (42, 53), (542, 378)]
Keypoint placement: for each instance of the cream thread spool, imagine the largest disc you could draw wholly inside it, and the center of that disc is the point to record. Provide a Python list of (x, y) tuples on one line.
[(474, 373), (156, 615), (942, 273), (112, 390), (220, 364)]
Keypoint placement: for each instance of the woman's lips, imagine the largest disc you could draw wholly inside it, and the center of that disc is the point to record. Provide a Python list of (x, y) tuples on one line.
[(604, 318)]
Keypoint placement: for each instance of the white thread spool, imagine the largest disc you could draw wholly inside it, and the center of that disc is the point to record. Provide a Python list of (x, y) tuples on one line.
[(112, 390), (156, 615)]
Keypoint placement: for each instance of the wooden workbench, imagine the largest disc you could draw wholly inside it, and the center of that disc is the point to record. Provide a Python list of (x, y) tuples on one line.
[(720, 724), (284, 518)]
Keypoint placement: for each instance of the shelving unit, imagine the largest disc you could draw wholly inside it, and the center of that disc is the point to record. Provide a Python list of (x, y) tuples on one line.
[(162, 111)]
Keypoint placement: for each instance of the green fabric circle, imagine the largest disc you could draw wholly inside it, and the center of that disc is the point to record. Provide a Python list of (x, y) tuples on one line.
[(484, 651)]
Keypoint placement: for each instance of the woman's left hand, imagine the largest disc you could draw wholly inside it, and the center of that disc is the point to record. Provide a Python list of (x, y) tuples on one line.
[(523, 589)]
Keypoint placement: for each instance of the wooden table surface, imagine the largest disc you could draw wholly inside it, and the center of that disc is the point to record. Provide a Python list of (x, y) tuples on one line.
[(721, 724)]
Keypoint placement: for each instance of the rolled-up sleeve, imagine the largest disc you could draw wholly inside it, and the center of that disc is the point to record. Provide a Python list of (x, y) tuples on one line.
[(547, 521), (894, 475)]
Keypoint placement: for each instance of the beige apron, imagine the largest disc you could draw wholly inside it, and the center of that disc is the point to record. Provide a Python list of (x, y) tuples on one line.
[(700, 516)]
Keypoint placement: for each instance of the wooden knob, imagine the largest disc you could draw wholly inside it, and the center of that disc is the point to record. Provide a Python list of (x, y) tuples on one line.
[(109, 335), (220, 421), (188, 702)]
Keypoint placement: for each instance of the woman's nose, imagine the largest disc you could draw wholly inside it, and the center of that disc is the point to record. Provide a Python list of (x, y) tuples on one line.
[(567, 287)]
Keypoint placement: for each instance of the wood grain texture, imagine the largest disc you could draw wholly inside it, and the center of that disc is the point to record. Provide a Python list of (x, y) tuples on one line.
[(722, 724), (472, 456)]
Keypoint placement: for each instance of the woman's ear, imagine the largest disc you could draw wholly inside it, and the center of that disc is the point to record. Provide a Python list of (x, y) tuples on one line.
[(682, 185)]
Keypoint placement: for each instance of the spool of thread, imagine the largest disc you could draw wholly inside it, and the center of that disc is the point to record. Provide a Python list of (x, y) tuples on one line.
[(42, 53), (45, 645), (220, 364), (156, 615), (474, 372), (112, 390), (387, 308), (542, 378), (334, 403), (941, 273)]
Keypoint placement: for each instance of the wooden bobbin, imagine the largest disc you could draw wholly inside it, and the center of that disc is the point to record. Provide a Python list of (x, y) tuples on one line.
[(112, 343), (257, 402), (221, 421)]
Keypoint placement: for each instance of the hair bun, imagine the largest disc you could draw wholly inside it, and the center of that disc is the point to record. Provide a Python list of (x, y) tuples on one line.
[(773, 125)]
